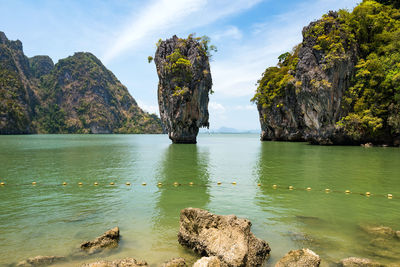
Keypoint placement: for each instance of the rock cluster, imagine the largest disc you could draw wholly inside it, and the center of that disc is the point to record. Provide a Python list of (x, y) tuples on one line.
[(299, 258), (127, 262), (41, 261), (108, 240), (227, 237), (184, 85)]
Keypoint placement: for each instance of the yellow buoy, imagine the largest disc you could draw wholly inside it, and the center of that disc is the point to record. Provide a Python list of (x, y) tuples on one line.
[(64, 183), (274, 186), (80, 183), (191, 183), (218, 183), (159, 184), (234, 183), (2, 183), (308, 188), (144, 183), (347, 191), (176, 184), (367, 194), (112, 183), (128, 183), (258, 184), (96, 183), (390, 196), (327, 190), (33, 183), (290, 187)]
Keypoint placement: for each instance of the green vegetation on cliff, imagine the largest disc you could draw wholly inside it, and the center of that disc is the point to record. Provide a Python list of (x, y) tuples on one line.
[(77, 95), (371, 104)]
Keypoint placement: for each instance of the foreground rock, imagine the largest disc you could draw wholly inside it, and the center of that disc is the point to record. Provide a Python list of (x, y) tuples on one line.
[(299, 258), (210, 262), (227, 237), (176, 262), (184, 84), (108, 240), (359, 262), (128, 262), (41, 261)]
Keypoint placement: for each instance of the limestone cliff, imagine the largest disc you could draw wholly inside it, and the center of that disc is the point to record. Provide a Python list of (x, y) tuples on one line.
[(77, 95), (340, 85), (184, 85)]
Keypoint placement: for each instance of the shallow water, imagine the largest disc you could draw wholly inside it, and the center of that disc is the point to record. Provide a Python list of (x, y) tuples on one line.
[(52, 219)]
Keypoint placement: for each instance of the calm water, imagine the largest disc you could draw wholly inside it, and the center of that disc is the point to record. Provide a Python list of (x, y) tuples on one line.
[(51, 219)]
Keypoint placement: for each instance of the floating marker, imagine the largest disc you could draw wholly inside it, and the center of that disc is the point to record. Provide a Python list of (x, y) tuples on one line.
[(95, 183), (80, 183), (258, 184), (290, 187), (33, 183), (159, 184), (176, 184), (219, 183), (112, 183), (308, 188), (234, 183), (191, 183), (327, 190), (128, 183), (274, 186), (390, 196), (367, 194), (347, 191), (144, 183), (64, 183)]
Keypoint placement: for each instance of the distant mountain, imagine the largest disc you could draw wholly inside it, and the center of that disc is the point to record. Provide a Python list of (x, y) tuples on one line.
[(76, 95), (228, 130)]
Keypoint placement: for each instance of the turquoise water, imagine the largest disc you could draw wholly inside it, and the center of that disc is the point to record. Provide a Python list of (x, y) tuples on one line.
[(52, 219)]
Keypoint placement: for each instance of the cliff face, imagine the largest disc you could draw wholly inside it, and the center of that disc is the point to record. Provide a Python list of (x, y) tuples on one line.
[(77, 95), (328, 90), (184, 84)]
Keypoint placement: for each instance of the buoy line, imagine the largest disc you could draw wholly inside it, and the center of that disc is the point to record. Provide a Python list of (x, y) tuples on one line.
[(191, 184)]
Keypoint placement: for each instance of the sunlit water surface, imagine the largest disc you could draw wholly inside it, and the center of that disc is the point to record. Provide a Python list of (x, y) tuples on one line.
[(52, 219)]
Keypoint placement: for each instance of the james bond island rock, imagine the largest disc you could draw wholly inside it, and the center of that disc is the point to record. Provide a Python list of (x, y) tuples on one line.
[(299, 258), (128, 262), (76, 95), (108, 240), (340, 85), (184, 84), (227, 237)]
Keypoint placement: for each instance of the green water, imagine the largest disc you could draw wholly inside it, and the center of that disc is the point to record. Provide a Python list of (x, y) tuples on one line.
[(51, 219)]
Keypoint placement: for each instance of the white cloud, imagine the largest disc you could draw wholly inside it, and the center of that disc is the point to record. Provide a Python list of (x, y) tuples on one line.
[(246, 107), (231, 32), (170, 16), (217, 107), (148, 108)]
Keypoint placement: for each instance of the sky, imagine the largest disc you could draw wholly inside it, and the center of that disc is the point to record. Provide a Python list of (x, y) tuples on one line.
[(249, 35)]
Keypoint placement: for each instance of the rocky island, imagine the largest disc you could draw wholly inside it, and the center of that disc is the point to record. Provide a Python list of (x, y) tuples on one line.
[(184, 85), (341, 84), (76, 95)]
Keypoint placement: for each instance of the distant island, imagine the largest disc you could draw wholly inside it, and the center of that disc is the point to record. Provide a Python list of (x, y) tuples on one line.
[(341, 85), (76, 95)]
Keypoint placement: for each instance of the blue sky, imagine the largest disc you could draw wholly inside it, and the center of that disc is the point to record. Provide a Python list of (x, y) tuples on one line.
[(249, 34)]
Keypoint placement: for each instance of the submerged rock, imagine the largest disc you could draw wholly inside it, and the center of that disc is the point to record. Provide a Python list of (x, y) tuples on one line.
[(227, 237), (176, 262), (380, 231), (108, 240), (184, 84), (128, 262), (359, 262), (210, 262), (41, 261), (299, 258)]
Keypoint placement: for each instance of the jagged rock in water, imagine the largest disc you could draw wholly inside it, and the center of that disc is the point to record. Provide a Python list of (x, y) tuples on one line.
[(184, 84), (127, 262), (175, 262), (107, 240), (210, 262), (359, 262), (40, 261), (299, 258), (311, 103), (227, 237)]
